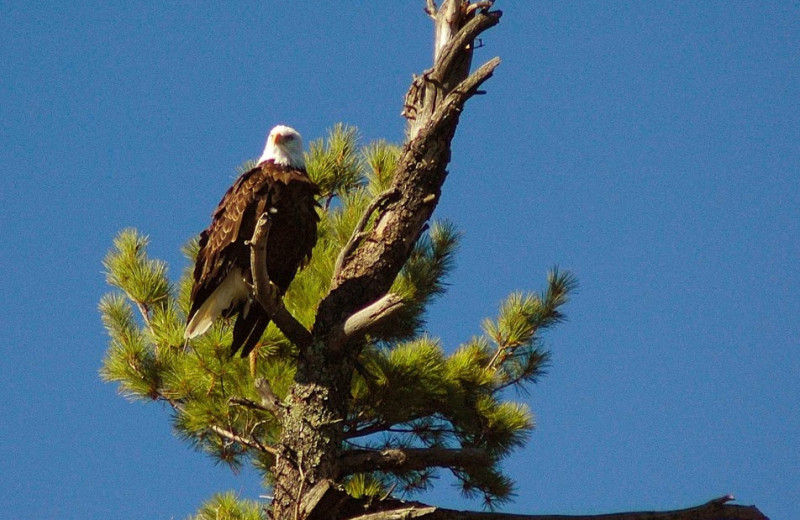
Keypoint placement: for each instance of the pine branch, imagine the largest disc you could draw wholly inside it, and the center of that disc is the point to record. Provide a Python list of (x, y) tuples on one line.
[(518, 356), (380, 426), (334, 164), (352, 432), (145, 313), (247, 403), (228, 506), (381, 158), (142, 279), (244, 441)]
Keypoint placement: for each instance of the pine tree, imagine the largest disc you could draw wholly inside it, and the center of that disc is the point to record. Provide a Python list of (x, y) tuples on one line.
[(409, 394), (348, 401)]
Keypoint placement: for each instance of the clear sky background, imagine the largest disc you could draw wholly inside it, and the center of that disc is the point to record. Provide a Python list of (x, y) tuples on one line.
[(652, 148)]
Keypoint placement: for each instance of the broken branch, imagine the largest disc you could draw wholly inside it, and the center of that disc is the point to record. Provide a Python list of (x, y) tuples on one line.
[(366, 319)]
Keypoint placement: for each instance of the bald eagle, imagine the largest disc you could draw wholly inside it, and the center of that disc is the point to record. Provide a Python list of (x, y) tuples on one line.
[(280, 185)]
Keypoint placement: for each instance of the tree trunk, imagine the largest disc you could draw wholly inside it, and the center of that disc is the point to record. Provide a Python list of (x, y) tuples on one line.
[(311, 439), (312, 429)]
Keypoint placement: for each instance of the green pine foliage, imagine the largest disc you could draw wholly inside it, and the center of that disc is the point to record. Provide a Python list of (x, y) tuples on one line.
[(381, 157), (365, 485), (226, 506), (335, 163), (412, 393)]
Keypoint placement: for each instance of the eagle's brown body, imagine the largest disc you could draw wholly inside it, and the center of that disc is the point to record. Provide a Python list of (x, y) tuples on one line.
[(222, 274)]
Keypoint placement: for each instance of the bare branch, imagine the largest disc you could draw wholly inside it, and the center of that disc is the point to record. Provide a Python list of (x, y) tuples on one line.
[(244, 441), (453, 103), (456, 42), (365, 320), (457, 24), (265, 291), (327, 501), (447, 21), (430, 8), (368, 317), (705, 512)]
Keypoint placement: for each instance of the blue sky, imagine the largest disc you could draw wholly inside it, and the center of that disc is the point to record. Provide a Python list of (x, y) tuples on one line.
[(652, 148)]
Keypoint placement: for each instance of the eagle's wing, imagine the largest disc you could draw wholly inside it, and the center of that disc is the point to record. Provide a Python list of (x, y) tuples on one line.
[(222, 272), (222, 244)]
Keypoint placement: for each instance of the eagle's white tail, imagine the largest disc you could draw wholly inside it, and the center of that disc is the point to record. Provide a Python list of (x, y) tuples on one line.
[(233, 289)]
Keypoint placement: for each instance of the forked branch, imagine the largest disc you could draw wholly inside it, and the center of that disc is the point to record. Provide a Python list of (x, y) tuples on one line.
[(375, 254)]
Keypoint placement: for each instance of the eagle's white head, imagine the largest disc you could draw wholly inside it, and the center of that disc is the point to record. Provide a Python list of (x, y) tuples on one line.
[(285, 146)]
